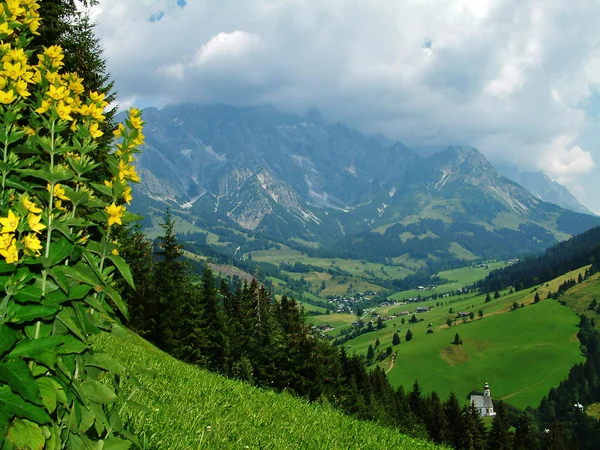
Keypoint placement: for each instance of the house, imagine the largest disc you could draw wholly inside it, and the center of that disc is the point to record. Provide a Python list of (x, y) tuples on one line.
[(483, 402), (421, 309), (463, 314)]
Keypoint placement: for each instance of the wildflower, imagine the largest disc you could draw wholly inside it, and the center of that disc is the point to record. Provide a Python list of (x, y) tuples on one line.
[(58, 191), (11, 253), (10, 223), (29, 205), (127, 195), (43, 108), (6, 240), (63, 111), (31, 242), (7, 97), (5, 29), (34, 223), (94, 131), (57, 93), (13, 71), (21, 87), (115, 213)]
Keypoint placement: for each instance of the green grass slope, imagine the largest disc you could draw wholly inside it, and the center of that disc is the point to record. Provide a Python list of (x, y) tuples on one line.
[(191, 408), (521, 353)]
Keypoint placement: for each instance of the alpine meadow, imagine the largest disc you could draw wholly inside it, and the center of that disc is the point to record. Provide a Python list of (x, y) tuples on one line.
[(299, 225)]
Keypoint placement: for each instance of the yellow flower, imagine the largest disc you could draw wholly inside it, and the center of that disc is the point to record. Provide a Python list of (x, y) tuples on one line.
[(115, 213), (57, 93), (94, 131), (120, 131), (29, 131), (10, 223), (14, 7), (127, 195), (108, 183), (15, 55), (31, 242), (34, 25), (58, 205), (5, 29), (54, 52), (43, 108), (34, 223), (58, 191), (11, 254), (63, 111), (7, 97), (96, 97), (29, 205), (3, 81), (6, 240), (21, 87), (115, 251), (13, 71)]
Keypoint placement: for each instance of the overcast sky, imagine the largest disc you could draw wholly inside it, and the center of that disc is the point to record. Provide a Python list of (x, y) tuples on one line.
[(517, 79)]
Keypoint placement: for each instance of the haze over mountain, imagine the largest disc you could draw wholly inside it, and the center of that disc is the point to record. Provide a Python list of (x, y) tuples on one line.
[(298, 176)]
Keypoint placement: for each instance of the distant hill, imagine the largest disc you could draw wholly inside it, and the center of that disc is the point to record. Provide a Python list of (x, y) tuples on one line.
[(569, 255), (296, 178)]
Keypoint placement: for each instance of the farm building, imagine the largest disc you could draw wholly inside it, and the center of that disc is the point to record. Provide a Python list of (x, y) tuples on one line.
[(421, 309), (483, 402)]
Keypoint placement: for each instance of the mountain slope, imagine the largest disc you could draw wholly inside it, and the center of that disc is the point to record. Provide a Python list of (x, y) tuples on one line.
[(541, 186), (187, 407), (289, 176)]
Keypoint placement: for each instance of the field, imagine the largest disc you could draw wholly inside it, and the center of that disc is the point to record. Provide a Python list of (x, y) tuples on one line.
[(186, 407), (457, 278), (521, 353)]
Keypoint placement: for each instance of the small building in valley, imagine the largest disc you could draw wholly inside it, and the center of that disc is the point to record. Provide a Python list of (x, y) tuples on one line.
[(483, 402)]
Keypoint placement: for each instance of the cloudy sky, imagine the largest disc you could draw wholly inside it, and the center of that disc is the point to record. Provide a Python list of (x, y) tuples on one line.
[(518, 79)]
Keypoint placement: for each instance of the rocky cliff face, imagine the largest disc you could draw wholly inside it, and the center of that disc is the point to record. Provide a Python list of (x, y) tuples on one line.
[(299, 176)]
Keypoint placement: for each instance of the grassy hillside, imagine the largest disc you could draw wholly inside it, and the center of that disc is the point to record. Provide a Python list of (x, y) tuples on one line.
[(521, 353), (191, 408)]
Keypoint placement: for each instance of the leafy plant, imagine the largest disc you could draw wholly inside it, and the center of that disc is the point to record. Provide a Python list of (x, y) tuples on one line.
[(59, 258)]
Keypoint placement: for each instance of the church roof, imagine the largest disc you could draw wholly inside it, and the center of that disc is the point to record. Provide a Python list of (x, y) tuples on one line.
[(482, 401)]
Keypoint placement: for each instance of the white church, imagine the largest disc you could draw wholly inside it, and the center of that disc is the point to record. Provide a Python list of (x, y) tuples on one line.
[(483, 403)]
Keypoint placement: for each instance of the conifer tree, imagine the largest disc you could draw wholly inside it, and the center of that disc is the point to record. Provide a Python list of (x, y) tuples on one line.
[(408, 336), (500, 436), (395, 339), (454, 419), (370, 353), (215, 346), (524, 438), (473, 437)]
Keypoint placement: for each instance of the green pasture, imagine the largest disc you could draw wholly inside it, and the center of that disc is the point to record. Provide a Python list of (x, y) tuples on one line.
[(521, 353), (185, 407), (334, 320)]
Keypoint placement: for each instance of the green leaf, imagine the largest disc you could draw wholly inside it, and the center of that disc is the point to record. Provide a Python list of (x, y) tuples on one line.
[(48, 392), (122, 266), (55, 177), (8, 337), (59, 251), (97, 392), (29, 293), (7, 268), (71, 345), (24, 434), (105, 362), (78, 291), (26, 313), (87, 419), (116, 444), (67, 317), (116, 297), (103, 189), (17, 375), (33, 348), (58, 274), (14, 404)]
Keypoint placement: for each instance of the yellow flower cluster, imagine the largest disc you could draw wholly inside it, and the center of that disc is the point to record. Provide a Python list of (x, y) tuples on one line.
[(18, 14), (30, 242)]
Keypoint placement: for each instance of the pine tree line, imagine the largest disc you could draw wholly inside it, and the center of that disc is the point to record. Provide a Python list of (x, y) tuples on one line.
[(237, 329)]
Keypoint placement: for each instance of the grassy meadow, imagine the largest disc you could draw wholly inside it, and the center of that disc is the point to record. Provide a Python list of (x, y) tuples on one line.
[(522, 353), (186, 407)]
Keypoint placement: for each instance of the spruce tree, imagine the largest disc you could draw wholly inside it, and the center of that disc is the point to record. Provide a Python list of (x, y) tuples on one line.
[(454, 419), (395, 339), (536, 299), (408, 336), (525, 438), (370, 353), (500, 436), (215, 346)]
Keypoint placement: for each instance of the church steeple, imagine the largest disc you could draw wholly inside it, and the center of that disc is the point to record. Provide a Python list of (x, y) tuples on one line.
[(486, 390)]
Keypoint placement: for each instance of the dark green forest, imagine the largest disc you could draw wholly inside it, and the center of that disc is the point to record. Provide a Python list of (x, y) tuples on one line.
[(237, 329)]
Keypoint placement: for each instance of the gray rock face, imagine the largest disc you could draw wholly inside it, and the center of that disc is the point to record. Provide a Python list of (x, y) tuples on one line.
[(299, 176)]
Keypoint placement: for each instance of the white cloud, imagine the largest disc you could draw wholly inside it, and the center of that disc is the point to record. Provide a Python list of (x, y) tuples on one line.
[(504, 75)]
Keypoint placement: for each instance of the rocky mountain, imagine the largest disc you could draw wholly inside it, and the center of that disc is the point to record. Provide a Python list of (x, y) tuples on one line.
[(296, 176), (540, 185)]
